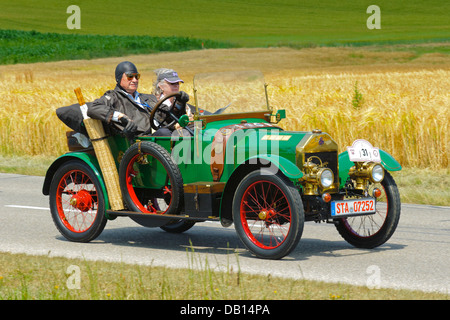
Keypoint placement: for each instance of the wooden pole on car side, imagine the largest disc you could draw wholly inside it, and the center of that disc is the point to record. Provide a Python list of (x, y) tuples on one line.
[(102, 150)]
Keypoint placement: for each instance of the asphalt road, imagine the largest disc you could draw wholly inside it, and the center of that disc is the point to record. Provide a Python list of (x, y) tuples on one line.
[(416, 257)]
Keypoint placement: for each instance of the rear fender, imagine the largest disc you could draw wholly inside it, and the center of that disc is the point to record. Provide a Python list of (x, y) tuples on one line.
[(89, 159), (387, 161)]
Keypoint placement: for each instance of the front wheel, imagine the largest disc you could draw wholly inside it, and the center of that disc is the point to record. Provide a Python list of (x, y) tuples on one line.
[(268, 214), (77, 202), (372, 231)]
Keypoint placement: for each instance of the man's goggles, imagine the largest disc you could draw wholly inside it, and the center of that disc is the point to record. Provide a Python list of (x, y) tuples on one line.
[(130, 76)]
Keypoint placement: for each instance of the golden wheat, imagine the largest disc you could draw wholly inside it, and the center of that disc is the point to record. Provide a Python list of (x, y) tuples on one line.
[(401, 108), (405, 113)]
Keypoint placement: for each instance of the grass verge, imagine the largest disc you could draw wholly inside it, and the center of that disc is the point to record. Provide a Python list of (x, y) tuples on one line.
[(27, 165), (25, 277), (424, 186)]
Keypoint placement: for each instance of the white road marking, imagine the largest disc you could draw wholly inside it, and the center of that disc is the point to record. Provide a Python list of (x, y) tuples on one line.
[(25, 207)]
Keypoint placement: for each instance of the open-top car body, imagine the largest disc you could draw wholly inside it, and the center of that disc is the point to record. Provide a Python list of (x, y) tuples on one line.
[(237, 165)]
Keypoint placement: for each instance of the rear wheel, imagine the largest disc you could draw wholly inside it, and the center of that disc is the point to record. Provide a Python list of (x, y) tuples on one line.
[(268, 214), (373, 230), (178, 226), (77, 202)]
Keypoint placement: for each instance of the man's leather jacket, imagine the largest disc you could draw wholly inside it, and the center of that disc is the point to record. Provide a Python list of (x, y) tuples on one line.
[(117, 100)]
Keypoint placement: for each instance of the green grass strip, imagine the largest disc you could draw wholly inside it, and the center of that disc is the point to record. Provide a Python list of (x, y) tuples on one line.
[(31, 46)]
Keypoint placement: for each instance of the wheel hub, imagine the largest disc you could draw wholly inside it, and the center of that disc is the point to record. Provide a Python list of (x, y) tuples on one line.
[(266, 214), (82, 200), (262, 215)]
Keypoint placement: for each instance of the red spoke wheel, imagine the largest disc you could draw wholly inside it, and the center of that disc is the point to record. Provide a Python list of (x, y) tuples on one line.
[(76, 202), (151, 183), (268, 214), (374, 230)]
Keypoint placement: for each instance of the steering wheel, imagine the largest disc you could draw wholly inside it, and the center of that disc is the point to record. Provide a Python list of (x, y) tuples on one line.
[(169, 114)]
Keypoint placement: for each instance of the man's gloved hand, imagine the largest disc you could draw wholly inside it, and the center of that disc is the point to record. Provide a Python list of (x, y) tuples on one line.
[(130, 127)]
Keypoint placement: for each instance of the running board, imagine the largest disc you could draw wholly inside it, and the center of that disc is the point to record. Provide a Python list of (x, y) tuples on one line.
[(183, 216)]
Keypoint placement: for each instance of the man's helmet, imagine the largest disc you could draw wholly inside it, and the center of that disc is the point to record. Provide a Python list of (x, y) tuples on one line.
[(124, 66)]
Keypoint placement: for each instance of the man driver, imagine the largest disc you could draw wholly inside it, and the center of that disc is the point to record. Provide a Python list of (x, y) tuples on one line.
[(124, 109)]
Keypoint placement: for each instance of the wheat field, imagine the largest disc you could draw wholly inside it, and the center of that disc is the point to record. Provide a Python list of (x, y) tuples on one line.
[(398, 103)]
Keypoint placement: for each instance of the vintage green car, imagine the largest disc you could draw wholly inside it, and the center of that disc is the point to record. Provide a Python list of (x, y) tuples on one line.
[(235, 167)]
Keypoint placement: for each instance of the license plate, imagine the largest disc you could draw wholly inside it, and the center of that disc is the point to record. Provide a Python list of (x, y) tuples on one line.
[(354, 207)]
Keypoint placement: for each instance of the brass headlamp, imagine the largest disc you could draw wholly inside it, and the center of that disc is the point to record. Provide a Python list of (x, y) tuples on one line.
[(316, 176), (363, 172)]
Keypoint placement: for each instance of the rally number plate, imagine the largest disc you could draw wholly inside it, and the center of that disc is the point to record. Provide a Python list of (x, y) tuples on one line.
[(356, 207)]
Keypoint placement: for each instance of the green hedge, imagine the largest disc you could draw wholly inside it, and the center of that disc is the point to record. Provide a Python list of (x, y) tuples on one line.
[(31, 46)]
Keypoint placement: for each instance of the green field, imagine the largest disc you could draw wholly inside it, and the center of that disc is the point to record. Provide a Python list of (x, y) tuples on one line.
[(245, 23), (32, 46)]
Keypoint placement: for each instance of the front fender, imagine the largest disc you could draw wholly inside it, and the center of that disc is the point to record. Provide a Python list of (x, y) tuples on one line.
[(387, 161), (234, 176), (89, 159), (288, 168)]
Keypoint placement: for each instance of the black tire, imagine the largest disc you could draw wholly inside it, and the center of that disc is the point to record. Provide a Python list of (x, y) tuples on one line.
[(274, 206), (77, 202), (141, 199), (178, 226), (372, 231)]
